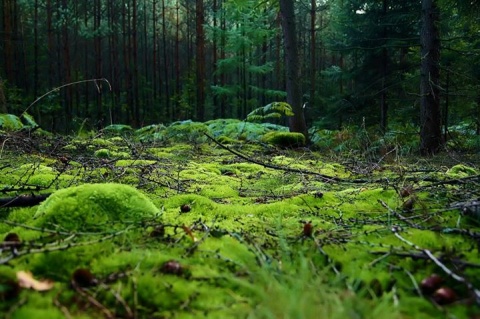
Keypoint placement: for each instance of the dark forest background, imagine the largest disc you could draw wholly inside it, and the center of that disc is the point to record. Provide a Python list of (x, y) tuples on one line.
[(169, 60)]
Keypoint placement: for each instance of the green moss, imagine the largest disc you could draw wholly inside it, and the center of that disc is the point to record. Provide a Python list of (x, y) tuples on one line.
[(244, 249), (70, 147), (94, 207), (100, 142), (219, 191), (127, 163), (102, 153), (42, 169), (285, 139), (461, 171), (226, 140), (159, 152)]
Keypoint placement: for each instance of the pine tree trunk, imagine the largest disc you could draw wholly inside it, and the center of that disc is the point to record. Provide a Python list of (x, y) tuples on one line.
[(200, 60), (383, 96), (294, 93), (3, 102), (430, 126)]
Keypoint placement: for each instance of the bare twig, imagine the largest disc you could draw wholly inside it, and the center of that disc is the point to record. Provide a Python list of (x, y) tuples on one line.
[(91, 299), (95, 81), (399, 216), (286, 169), (28, 251)]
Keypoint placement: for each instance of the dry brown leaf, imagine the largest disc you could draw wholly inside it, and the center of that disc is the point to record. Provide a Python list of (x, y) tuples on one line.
[(26, 280)]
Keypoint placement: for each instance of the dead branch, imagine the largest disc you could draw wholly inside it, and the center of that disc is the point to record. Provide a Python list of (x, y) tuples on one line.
[(22, 200)]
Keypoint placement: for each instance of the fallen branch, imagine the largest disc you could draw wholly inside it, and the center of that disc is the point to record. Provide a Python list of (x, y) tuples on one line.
[(421, 255), (23, 200), (285, 169)]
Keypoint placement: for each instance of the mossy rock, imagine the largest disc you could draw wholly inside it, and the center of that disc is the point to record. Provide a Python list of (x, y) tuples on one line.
[(94, 207), (285, 139)]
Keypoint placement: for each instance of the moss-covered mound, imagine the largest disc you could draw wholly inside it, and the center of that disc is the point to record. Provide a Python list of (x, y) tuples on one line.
[(98, 207), (285, 139)]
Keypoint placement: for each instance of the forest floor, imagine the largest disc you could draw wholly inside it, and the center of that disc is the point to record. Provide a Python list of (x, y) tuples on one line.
[(241, 230)]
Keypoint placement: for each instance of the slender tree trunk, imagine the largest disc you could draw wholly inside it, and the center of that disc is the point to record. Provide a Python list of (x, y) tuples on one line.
[(50, 43), (98, 60), (8, 54), (214, 56), (127, 61), (67, 71), (3, 101), (154, 53), (200, 60), (114, 109), (165, 63), (294, 93), (35, 51), (430, 117), (447, 106), (223, 77), (313, 57), (84, 112), (383, 95), (177, 50), (136, 99), (146, 95)]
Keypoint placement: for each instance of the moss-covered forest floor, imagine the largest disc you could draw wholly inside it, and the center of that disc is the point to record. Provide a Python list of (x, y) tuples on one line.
[(195, 230)]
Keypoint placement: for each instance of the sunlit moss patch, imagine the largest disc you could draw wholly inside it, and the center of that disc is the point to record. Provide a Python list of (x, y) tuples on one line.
[(94, 207)]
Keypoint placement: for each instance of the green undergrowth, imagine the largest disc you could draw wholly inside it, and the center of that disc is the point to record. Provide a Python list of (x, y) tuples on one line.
[(191, 230)]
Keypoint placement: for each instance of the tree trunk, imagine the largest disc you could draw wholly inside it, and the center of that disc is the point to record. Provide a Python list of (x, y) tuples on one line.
[(97, 47), (165, 63), (136, 99), (294, 93), (383, 95), (313, 58), (50, 42), (430, 115), (8, 46), (3, 101), (200, 60)]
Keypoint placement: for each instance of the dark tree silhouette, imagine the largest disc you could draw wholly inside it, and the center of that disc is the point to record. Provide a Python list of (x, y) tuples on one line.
[(294, 93), (430, 116), (200, 60)]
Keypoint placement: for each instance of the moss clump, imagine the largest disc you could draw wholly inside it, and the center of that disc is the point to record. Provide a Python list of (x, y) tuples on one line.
[(285, 139), (461, 171), (128, 163), (102, 153), (98, 207)]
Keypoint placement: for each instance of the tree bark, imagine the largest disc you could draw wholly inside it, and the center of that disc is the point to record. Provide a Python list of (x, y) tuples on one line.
[(8, 45), (383, 96), (200, 60), (165, 62), (430, 115), (294, 93), (3, 101)]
